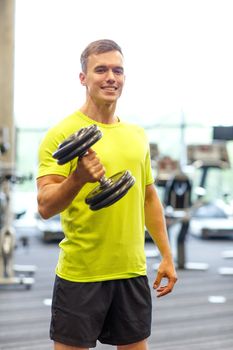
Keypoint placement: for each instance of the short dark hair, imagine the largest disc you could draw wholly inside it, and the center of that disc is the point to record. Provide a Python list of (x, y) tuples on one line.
[(98, 47)]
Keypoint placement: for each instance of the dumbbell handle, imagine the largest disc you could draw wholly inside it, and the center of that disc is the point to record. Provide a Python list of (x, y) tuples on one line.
[(104, 181)]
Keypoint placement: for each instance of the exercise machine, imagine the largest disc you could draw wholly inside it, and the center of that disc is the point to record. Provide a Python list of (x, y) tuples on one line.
[(213, 217), (177, 193), (178, 213), (10, 274)]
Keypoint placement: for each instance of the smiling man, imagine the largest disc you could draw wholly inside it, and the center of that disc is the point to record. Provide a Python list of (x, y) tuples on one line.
[(101, 289)]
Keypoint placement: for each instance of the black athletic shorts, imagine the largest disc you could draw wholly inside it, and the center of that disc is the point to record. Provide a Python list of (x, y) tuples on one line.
[(114, 312)]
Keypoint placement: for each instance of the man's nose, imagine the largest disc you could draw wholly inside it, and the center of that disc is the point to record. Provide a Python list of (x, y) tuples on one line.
[(110, 76)]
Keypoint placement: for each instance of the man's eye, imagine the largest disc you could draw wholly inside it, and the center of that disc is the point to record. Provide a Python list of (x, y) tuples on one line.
[(118, 70), (101, 70)]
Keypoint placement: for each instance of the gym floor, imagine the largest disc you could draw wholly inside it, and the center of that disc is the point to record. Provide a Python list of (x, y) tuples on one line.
[(196, 316)]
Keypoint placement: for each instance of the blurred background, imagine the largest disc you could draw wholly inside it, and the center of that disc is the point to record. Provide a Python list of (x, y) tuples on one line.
[(179, 82)]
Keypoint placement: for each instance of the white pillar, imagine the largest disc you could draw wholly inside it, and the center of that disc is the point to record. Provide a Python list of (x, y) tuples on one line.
[(7, 21)]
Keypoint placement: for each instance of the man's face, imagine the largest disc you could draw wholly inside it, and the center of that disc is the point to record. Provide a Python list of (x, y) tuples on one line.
[(105, 77)]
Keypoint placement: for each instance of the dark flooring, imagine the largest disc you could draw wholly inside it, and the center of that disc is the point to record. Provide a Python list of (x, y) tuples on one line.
[(183, 320)]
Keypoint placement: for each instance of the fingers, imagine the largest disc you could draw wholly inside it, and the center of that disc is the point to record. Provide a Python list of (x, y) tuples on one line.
[(91, 154), (158, 280), (91, 167), (164, 289), (96, 171)]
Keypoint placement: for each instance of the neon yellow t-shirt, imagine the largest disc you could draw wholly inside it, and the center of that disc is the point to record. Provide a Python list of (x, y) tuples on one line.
[(108, 243)]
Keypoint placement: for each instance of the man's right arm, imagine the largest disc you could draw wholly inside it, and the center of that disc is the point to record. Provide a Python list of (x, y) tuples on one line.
[(55, 192)]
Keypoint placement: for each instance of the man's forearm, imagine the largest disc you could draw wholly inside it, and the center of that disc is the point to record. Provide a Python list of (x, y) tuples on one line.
[(53, 198), (155, 223)]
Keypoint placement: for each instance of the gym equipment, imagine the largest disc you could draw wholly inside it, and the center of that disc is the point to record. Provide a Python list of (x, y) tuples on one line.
[(10, 274), (176, 199), (207, 156), (214, 217), (111, 189), (178, 192), (166, 167), (178, 213), (223, 133)]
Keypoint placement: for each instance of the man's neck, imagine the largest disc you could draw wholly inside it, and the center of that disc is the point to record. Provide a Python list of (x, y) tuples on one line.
[(104, 114)]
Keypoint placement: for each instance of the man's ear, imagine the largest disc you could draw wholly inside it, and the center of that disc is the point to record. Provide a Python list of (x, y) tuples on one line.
[(82, 78)]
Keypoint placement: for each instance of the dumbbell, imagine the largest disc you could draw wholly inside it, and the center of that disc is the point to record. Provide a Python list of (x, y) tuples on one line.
[(109, 190)]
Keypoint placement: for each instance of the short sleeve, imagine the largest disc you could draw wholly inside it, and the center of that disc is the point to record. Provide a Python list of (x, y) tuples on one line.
[(47, 165)]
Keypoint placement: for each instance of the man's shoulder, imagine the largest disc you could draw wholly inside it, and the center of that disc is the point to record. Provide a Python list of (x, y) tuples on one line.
[(60, 131), (66, 126), (67, 122), (133, 128)]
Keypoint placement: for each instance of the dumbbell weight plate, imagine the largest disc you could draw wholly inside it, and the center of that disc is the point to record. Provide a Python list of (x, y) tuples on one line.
[(100, 192), (74, 141), (77, 144), (106, 195), (115, 196)]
